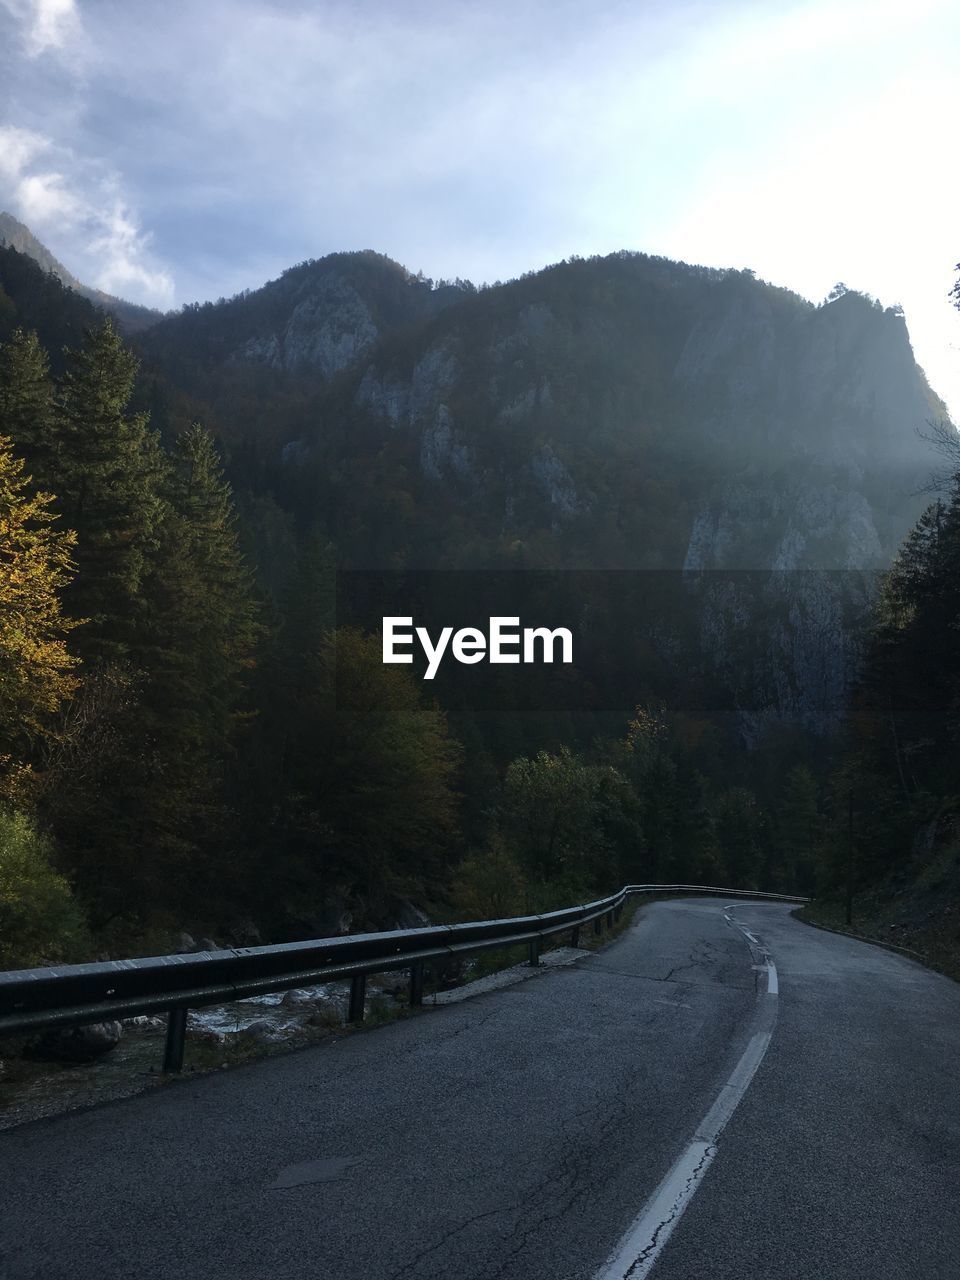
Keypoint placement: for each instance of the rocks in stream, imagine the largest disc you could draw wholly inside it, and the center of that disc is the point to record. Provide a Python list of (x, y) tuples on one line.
[(75, 1044), (296, 999), (149, 1022), (261, 1029)]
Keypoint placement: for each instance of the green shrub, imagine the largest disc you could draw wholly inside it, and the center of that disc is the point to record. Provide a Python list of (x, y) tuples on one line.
[(489, 885), (40, 923)]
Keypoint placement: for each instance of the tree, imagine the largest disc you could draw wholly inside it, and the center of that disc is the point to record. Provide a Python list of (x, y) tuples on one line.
[(905, 718), (135, 794), (800, 829), (568, 821), (489, 885), (364, 804), (36, 671), (40, 923), (738, 825), (199, 630), (107, 477), (27, 405), (385, 769)]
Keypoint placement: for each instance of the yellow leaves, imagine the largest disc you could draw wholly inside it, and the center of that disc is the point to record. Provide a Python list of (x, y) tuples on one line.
[(35, 564)]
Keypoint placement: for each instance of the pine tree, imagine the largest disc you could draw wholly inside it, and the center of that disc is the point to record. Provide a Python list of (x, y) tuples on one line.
[(739, 831), (199, 629), (905, 720), (135, 790), (27, 406), (194, 646), (107, 479), (227, 628), (800, 830)]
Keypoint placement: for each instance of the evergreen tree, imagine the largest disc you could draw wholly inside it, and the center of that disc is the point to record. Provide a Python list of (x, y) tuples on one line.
[(199, 628), (800, 831), (905, 720), (136, 791), (27, 405), (362, 803), (107, 479), (739, 836)]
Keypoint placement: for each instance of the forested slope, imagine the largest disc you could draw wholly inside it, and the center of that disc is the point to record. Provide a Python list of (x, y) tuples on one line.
[(703, 472)]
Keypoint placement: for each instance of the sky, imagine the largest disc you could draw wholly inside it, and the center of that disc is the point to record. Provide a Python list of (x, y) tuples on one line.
[(184, 151)]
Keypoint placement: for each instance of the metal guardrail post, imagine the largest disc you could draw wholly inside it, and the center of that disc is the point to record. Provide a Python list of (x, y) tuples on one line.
[(611, 916), (358, 991), (575, 936), (416, 983), (534, 952), (598, 926), (175, 1045)]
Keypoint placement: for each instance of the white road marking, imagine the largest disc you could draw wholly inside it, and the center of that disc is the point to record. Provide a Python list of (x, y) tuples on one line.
[(638, 1251)]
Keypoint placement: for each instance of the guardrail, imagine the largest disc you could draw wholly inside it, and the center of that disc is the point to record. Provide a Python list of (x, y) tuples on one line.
[(67, 995)]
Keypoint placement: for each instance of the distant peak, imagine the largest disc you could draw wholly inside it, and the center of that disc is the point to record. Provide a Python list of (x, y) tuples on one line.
[(129, 315)]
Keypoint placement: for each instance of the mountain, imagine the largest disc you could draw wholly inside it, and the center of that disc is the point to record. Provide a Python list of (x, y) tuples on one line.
[(317, 319), (634, 411), (131, 317), (625, 413), (701, 475), (31, 298)]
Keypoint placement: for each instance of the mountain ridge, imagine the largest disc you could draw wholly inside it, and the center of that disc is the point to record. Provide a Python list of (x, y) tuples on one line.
[(131, 317)]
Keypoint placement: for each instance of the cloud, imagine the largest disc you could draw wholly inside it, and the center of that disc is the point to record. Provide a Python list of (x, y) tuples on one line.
[(18, 147), (66, 201), (805, 138), (55, 22), (46, 25), (869, 198)]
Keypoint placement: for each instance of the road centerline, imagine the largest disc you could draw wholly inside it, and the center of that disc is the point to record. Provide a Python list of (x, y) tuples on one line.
[(641, 1245)]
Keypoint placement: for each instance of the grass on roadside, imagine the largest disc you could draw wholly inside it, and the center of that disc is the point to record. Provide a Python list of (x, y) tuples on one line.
[(926, 927)]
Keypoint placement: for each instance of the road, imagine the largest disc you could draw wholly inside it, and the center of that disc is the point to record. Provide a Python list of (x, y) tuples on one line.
[(686, 1103)]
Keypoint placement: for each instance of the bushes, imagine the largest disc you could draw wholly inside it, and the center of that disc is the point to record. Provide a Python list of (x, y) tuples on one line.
[(489, 885), (40, 923)]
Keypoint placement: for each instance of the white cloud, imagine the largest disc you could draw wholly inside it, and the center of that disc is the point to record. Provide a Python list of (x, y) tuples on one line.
[(55, 23), (46, 25), (869, 198), (67, 202), (18, 147)]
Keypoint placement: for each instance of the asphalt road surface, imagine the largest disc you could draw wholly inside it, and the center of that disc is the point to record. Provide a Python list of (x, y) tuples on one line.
[(689, 1102)]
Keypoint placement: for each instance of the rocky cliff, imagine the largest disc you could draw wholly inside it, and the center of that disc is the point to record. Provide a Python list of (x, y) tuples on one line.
[(623, 413), (637, 414)]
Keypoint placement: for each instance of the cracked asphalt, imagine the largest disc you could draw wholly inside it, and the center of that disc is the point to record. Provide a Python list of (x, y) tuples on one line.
[(516, 1135)]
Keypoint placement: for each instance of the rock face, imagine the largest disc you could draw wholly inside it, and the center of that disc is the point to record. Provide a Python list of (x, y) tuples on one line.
[(317, 319), (76, 1044), (708, 424), (625, 413), (328, 328), (784, 434)]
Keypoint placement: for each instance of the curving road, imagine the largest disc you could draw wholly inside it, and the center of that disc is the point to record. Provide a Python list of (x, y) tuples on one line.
[(723, 1092)]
